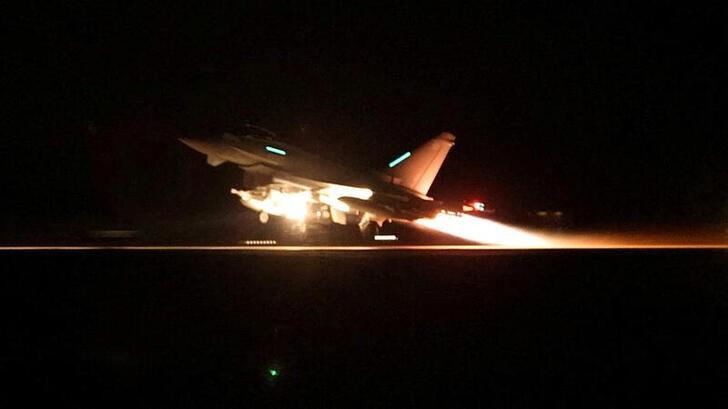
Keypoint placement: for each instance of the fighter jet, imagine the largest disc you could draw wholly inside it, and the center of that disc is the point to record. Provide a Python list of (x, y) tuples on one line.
[(282, 180)]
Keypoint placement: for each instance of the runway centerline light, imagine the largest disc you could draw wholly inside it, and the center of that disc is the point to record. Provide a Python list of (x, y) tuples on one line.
[(275, 150), (400, 159), (385, 237)]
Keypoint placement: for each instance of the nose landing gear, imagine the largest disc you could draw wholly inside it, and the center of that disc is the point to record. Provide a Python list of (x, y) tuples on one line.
[(369, 228)]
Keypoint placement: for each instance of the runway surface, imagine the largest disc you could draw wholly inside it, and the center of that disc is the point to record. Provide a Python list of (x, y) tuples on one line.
[(539, 241), (391, 248), (385, 326)]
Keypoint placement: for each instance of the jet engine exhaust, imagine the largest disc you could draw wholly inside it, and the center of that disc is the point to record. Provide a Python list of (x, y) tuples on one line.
[(486, 231), (482, 231)]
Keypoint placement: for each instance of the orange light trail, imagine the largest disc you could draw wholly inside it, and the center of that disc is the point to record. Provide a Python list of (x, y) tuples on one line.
[(498, 235), (388, 248), (483, 231)]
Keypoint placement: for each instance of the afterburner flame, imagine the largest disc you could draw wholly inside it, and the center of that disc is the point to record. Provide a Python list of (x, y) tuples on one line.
[(482, 230), (294, 205)]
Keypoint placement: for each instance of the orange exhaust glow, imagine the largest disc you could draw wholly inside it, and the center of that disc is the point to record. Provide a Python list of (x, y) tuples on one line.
[(482, 231), (502, 236)]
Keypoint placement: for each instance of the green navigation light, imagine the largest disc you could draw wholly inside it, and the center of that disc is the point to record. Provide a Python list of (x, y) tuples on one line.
[(400, 159), (275, 150), (273, 372)]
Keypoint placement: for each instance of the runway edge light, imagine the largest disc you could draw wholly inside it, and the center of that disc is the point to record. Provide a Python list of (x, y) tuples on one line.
[(385, 237)]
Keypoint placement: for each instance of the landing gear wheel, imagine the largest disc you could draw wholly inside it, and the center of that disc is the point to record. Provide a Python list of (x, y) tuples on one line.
[(369, 231)]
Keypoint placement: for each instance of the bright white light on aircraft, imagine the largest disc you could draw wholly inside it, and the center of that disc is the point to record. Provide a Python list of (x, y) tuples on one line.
[(400, 159), (275, 150), (330, 195), (292, 206), (481, 230), (296, 206), (334, 203)]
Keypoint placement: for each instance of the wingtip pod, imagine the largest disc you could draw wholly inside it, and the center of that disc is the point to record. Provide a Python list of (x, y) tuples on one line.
[(447, 136)]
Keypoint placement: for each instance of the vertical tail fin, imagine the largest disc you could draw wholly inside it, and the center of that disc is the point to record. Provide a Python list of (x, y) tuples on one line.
[(417, 170)]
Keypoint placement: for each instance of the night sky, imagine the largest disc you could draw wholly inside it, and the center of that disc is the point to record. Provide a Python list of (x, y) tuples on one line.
[(609, 113)]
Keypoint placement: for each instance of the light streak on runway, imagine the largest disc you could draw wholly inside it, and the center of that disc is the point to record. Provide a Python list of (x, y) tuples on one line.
[(516, 240), (501, 236), (631, 240), (414, 248)]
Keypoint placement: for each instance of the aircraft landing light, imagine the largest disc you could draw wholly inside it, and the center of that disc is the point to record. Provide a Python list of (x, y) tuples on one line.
[(385, 237), (400, 159), (275, 150)]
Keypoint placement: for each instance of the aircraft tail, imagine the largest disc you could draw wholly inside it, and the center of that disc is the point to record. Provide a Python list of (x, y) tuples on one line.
[(417, 170)]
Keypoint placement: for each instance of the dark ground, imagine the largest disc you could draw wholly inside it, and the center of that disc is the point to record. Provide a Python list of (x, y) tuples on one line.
[(365, 329)]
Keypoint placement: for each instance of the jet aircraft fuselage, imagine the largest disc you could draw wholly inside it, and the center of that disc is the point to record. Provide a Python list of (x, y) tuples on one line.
[(283, 180)]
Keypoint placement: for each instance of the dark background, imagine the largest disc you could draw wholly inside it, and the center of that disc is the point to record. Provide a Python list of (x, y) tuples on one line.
[(609, 113)]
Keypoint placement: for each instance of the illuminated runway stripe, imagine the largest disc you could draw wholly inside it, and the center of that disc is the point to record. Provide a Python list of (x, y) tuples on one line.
[(721, 246)]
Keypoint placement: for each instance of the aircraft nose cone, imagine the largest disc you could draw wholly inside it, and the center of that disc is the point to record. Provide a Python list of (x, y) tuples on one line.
[(186, 141), (195, 144)]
